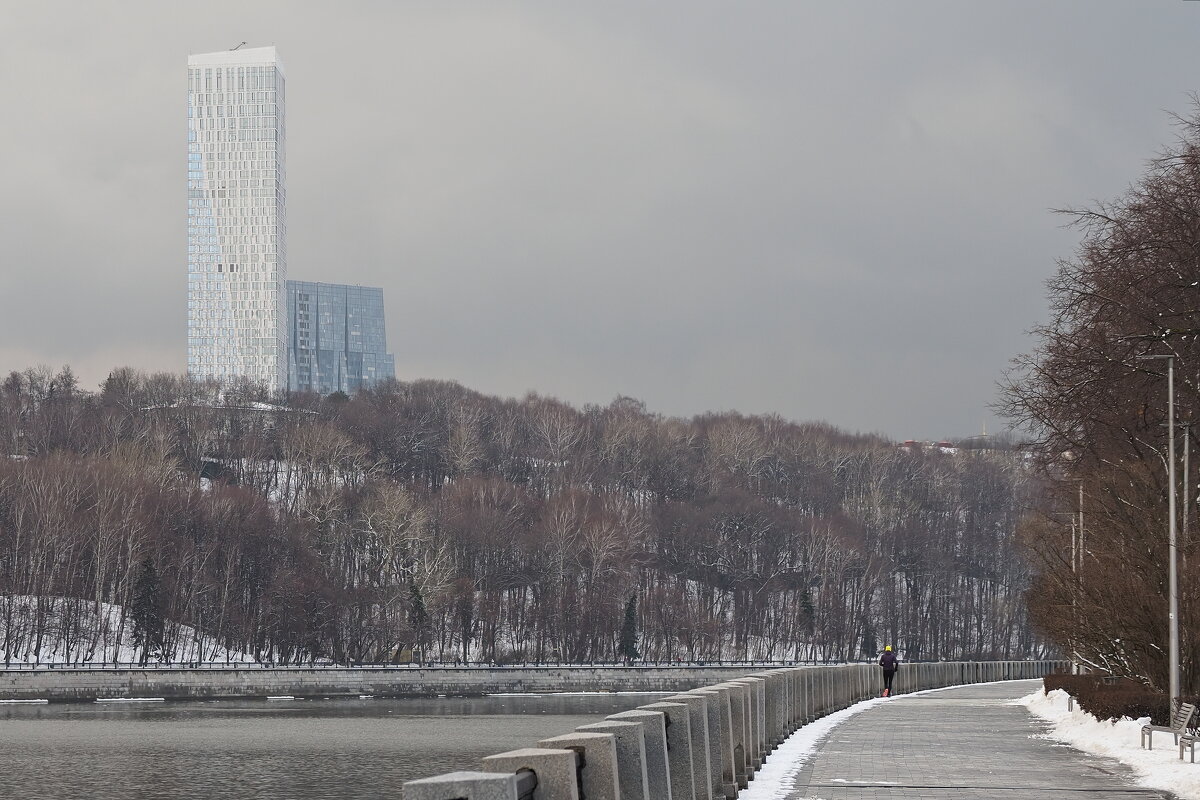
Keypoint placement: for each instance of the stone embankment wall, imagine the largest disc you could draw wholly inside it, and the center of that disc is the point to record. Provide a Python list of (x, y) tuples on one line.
[(65, 684), (702, 744)]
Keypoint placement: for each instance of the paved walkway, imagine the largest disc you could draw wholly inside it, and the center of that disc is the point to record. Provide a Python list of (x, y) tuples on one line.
[(965, 743)]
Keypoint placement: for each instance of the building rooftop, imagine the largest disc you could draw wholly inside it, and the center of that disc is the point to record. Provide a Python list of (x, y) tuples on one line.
[(246, 55), (298, 281)]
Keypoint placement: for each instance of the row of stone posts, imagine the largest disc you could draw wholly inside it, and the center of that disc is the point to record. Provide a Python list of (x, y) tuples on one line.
[(703, 744)]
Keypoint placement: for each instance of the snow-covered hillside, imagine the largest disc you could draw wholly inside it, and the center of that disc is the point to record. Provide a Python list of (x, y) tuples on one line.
[(69, 630)]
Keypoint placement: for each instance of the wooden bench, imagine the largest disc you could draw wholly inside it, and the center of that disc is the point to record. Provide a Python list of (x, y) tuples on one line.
[(1181, 722)]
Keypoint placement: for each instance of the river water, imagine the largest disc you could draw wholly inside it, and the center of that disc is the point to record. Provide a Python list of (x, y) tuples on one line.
[(271, 749)]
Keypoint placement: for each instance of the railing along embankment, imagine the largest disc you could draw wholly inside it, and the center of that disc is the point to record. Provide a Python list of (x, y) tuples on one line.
[(701, 744)]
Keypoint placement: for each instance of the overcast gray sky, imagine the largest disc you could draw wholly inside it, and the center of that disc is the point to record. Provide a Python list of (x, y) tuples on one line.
[(834, 210)]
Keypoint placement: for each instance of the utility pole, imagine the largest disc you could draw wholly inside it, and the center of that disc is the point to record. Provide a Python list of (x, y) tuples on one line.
[(1080, 535), (1079, 572), (1172, 561), (1187, 490), (1077, 551), (1173, 582)]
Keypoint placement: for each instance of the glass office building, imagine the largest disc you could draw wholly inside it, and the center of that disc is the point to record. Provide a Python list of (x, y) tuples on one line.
[(338, 340), (237, 258)]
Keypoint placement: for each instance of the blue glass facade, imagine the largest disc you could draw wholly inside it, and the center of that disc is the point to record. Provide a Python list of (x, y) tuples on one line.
[(337, 340)]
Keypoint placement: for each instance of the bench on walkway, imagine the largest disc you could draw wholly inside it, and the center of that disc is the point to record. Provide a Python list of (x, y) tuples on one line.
[(1181, 723), (1188, 740)]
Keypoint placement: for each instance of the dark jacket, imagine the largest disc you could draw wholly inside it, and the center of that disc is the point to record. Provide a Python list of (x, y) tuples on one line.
[(888, 661)]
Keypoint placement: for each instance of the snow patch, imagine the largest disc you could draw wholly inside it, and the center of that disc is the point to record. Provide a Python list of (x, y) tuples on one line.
[(1159, 768), (777, 776)]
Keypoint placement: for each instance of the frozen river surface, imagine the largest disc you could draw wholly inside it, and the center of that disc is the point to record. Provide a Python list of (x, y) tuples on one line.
[(271, 749)]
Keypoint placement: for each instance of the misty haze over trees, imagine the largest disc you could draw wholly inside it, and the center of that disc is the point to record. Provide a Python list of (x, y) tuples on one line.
[(424, 516), (1098, 413)]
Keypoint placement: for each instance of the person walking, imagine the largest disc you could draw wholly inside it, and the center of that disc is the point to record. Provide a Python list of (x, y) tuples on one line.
[(889, 663)]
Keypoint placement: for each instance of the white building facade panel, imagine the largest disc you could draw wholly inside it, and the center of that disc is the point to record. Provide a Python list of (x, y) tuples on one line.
[(237, 224)]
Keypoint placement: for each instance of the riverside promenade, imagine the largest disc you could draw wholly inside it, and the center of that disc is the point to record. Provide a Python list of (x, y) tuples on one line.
[(964, 743)]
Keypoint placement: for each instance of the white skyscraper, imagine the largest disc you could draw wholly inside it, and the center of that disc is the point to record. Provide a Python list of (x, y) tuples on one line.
[(237, 225)]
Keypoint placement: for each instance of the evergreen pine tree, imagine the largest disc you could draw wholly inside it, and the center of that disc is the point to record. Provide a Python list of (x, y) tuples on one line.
[(628, 643), (147, 616)]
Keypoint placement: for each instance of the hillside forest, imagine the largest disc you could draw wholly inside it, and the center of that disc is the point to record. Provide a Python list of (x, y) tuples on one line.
[(424, 518)]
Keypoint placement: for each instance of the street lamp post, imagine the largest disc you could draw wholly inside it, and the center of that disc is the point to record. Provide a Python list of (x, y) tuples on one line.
[(1172, 578), (1187, 488), (1077, 569)]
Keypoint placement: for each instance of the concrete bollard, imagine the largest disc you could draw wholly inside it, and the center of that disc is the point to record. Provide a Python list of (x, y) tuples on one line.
[(795, 702), (462, 786), (698, 719), (597, 762), (766, 712), (761, 686), (757, 748), (738, 738), (771, 698), (556, 770), (808, 679), (749, 741), (786, 701), (766, 694), (712, 719), (808, 690), (754, 748), (804, 699), (800, 698), (658, 767), (772, 701), (679, 747), (631, 756), (724, 710)]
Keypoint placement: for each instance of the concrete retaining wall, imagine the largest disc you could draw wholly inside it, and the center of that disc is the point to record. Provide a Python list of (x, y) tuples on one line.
[(59, 685)]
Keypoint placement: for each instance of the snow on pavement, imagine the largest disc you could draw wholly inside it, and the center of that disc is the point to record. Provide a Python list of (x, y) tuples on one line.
[(1156, 769), (1159, 768), (778, 774)]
